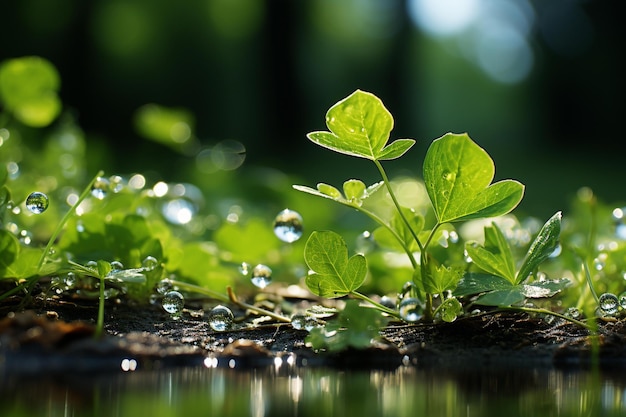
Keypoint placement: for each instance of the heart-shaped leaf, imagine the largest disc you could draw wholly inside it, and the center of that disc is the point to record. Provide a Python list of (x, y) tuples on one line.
[(458, 175), (334, 275), (360, 126)]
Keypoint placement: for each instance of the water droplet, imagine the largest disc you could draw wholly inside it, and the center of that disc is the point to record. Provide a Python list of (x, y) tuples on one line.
[(173, 302), (411, 309), (609, 303), (288, 226), (261, 276), (622, 299), (149, 263), (69, 280), (304, 322), (448, 176), (164, 286), (408, 290), (100, 188), (116, 183), (221, 318), (117, 266), (365, 243), (387, 302), (244, 269), (37, 202), (573, 312)]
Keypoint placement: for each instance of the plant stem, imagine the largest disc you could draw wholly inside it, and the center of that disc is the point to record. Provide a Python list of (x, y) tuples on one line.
[(64, 220), (379, 306), (589, 283), (395, 234), (200, 290), (383, 174), (552, 313), (256, 309), (100, 323)]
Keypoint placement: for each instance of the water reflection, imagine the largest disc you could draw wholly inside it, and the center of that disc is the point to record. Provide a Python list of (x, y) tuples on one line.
[(287, 390)]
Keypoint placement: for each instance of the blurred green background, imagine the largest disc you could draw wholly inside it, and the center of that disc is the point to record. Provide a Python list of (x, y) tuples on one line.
[(539, 84)]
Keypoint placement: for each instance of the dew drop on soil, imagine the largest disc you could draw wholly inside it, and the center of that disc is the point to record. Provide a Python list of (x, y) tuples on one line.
[(100, 188), (609, 303), (411, 309), (573, 313), (220, 318), (622, 299), (164, 286), (173, 302), (37, 202), (407, 291), (149, 263), (288, 226), (261, 276), (304, 322)]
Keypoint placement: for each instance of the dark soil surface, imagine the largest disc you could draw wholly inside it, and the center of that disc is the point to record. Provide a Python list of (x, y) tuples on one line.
[(57, 335)]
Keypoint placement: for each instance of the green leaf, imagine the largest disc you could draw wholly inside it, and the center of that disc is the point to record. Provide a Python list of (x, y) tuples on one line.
[(360, 126), (542, 247), (449, 310), (502, 298), (28, 88), (475, 283), (441, 278), (9, 248), (104, 268), (495, 257), (355, 327), (543, 289), (334, 275), (246, 242), (170, 126), (354, 190), (458, 175)]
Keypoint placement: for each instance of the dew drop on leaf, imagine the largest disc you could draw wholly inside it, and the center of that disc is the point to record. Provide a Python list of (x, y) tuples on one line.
[(37, 202), (116, 266), (244, 269), (149, 263), (116, 183), (609, 303), (288, 226), (173, 302), (411, 309), (261, 276), (220, 318), (100, 188)]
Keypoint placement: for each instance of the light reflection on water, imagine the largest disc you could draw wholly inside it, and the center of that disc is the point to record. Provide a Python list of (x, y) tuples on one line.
[(304, 391)]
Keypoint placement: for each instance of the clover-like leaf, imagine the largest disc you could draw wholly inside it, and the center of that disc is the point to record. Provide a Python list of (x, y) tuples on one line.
[(333, 274), (360, 126), (458, 175), (542, 247), (441, 278)]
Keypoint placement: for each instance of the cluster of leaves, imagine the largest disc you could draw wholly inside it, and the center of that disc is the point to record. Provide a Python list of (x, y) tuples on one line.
[(102, 234), (458, 177)]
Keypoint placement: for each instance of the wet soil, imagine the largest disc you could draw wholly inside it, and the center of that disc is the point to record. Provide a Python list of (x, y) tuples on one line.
[(57, 336)]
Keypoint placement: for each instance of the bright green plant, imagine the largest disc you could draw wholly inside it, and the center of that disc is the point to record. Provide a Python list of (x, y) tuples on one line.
[(458, 177)]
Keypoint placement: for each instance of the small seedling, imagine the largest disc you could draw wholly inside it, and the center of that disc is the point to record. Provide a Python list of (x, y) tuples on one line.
[(458, 177)]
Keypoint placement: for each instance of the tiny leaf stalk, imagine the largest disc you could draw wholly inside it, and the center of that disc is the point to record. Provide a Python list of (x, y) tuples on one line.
[(65, 219), (383, 175)]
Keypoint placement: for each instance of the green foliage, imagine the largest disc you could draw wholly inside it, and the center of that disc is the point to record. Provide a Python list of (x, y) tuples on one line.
[(458, 177), (354, 327), (458, 174), (28, 89), (334, 274)]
